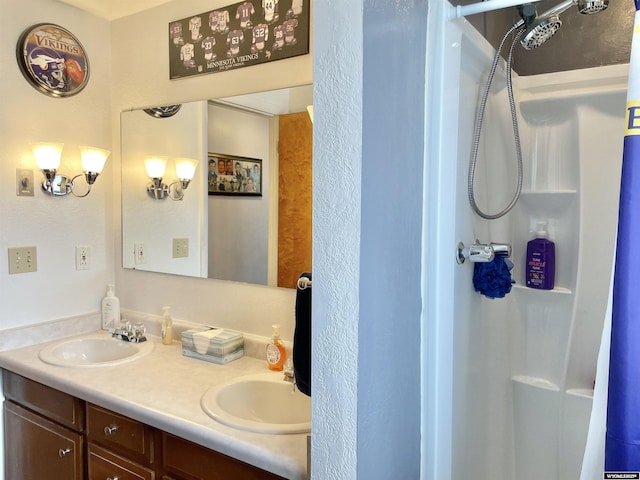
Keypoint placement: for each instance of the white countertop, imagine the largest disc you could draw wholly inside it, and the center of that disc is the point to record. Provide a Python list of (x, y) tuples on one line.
[(163, 389)]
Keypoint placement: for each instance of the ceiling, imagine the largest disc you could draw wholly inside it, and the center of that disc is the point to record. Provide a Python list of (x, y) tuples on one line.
[(112, 9)]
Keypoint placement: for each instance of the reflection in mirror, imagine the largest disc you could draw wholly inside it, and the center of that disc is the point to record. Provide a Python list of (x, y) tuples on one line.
[(262, 239)]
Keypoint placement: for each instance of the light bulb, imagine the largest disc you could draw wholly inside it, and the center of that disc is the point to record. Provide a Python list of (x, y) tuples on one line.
[(93, 159), (186, 168), (47, 155), (155, 166)]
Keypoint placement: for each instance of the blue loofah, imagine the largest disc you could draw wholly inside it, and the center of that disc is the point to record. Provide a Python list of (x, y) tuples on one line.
[(493, 279)]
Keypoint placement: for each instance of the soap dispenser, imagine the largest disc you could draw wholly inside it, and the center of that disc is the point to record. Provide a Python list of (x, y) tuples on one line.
[(167, 327), (276, 353), (110, 309)]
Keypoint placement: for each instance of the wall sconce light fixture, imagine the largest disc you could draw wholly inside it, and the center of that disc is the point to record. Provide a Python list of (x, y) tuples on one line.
[(156, 167), (55, 184)]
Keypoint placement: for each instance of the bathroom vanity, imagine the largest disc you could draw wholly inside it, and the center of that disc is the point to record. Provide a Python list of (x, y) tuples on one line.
[(137, 420)]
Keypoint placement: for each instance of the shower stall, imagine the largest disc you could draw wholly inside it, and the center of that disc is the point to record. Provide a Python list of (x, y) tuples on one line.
[(519, 390)]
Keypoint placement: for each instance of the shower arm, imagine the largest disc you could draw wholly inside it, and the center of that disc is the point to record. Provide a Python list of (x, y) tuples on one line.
[(482, 7), (490, 5), (560, 8)]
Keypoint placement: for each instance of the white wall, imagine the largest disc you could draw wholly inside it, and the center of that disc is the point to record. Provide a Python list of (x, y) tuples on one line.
[(481, 335), (141, 78), (338, 107), (54, 225), (239, 226), (367, 224)]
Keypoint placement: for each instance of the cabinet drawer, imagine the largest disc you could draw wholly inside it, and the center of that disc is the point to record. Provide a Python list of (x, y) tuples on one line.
[(104, 464), (120, 434), (38, 449), (54, 404), (188, 461)]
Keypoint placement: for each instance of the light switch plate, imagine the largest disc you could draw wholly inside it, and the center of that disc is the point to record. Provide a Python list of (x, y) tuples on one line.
[(180, 248), (23, 260), (24, 182)]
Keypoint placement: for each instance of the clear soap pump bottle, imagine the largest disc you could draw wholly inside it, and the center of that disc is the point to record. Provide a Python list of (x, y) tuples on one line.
[(167, 327)]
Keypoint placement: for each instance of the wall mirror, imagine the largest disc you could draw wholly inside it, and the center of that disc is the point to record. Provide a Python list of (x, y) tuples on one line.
[(249, 224)]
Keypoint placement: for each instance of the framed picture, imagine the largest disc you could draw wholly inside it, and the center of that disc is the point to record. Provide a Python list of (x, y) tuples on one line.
[(243, 34), (232, 175)]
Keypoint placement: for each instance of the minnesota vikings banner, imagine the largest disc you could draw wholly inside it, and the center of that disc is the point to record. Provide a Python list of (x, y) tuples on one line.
[(622, 453), (239, 35)]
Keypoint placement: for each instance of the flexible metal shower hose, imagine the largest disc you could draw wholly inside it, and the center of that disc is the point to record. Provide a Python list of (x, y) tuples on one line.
[(478, 129)]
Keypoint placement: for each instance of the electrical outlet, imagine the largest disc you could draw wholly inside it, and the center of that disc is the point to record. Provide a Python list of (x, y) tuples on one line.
[(23, 260), (139, 253), (83, 257), (180, 248)]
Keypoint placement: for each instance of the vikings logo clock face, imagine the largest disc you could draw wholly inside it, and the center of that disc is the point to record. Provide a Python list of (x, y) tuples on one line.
[(165, 111), (52, 60)]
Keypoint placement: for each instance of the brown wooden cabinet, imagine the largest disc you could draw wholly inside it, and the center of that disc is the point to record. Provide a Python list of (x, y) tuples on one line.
[(120, 447), (103, 464), (39, 449), (184, 460), (43, 431), (52, 435)]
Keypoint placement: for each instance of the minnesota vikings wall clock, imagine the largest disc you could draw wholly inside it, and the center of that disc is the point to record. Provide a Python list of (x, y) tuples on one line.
[(164, 111), (53, 60)]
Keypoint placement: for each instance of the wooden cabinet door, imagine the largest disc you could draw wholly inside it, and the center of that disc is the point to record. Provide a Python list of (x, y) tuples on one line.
[(103, 464), (184, 460), (38, 449), (295, 152)]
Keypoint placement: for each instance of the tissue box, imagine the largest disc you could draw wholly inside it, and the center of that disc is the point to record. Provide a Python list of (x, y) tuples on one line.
[(216, 345)]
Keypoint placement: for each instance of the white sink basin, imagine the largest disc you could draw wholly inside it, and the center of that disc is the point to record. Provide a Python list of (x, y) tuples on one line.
[(94, 350), (262, 403)]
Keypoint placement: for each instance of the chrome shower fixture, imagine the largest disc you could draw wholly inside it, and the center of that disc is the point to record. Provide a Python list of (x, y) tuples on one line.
[(483, 6), (532, 31), (541, 28), (589, 7)]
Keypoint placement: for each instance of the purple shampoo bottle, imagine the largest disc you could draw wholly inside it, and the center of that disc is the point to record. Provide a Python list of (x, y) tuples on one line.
[(541, 260)]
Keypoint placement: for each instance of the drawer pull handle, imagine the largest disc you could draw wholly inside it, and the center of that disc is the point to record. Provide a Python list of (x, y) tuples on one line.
[(110, 430), (64, 453), (112, 478)]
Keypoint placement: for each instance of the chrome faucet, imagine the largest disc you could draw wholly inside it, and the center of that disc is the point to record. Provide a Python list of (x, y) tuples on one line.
[(129, 333), (289, 375)]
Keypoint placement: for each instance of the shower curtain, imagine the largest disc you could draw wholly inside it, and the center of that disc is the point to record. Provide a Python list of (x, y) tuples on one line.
[(621, 445)]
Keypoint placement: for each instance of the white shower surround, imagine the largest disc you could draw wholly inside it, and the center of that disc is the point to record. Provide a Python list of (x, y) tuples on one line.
[(524, 366)]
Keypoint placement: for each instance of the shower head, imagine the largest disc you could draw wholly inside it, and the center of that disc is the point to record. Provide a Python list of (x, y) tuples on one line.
[(541, 28), (589, 7)]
